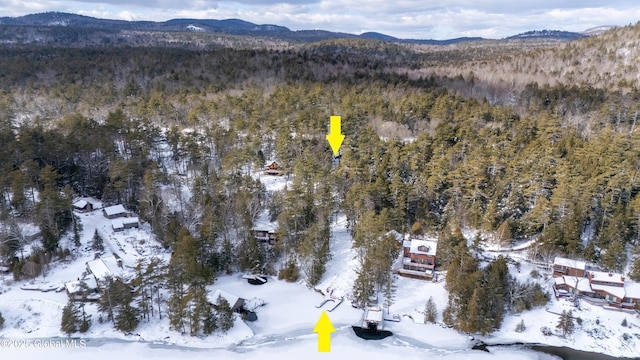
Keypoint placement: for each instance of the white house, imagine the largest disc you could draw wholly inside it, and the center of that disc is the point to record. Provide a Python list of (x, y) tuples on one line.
[(99, 269), (115, 211)]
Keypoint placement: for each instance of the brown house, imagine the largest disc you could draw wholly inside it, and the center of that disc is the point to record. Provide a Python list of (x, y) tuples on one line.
[(273, 169), (569, 267), (568, 285), (608, 286), (600, 285), (265, 235), (419, 259), (82, 206)]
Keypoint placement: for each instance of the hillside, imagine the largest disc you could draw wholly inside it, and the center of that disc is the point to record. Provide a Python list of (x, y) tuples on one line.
[(604, 61), (95, 31), (484, 148)]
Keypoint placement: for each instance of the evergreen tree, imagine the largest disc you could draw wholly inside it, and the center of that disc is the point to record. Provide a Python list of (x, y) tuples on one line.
[(615, 257), (430, 311), (496, 284), (390, 292), (225, 314), (127, 319), (200, 310), (1, 321), (448, 241), (85, 324), (364, 284), (290, 271), (210, 320), (251, 255), (463, 277), (503, 235), (114, 294), (53, 210), (178, 299), (634, 274), (77, 229), (565, 324), (71, 320), (98, 243)]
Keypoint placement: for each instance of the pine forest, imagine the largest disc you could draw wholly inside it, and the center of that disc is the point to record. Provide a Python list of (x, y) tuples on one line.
[(516, 141)]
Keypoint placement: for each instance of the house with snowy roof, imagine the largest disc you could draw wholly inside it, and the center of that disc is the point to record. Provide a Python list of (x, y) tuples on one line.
[(82, 206), (569, 267), (119, 224), (419, 258), (82, 289), (572, 285), (265, 231), (115, 211), (236, 302), (99, 269), (608, 286), (632, 293)]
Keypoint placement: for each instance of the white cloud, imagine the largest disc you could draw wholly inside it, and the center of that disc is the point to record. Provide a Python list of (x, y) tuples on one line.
[(127, 15)]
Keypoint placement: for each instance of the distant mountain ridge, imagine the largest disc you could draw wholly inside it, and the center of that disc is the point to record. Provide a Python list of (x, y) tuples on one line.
[(241, 27), (74, 20), (548, 34), (598, 30)]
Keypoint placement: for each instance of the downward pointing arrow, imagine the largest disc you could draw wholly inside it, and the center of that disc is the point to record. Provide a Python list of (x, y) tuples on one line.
[(324, 328), (335, 138)]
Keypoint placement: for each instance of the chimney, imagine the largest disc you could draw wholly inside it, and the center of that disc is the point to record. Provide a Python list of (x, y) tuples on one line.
[(610, 274)]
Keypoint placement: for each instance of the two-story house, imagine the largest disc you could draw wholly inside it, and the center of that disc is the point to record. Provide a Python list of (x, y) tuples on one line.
[(419, 258), (569, 267)]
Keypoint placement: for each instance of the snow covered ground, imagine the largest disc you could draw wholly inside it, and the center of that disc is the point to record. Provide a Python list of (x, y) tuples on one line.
[(288, 314), (601, 330)]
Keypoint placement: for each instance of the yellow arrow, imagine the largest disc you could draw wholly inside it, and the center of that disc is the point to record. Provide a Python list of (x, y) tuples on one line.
[(324, 328), (335, 138)]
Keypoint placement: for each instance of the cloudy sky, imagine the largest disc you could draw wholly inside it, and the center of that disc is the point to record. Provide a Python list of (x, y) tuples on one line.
[(418, 19)]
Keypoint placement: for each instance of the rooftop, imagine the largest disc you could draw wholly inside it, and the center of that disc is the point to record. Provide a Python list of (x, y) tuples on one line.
[(115, 210), (632, 289), (231, 298), (117, 223), (99, 269), (130, 220), (430, 247), (120, 223), (582, 284), (617, 291), (80, 204), (607, 277), (572, 263), (74, 286), (373, 314), (263, 224)]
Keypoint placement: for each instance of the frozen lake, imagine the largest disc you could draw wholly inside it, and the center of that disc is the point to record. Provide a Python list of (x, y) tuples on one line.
[(344, 345)]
